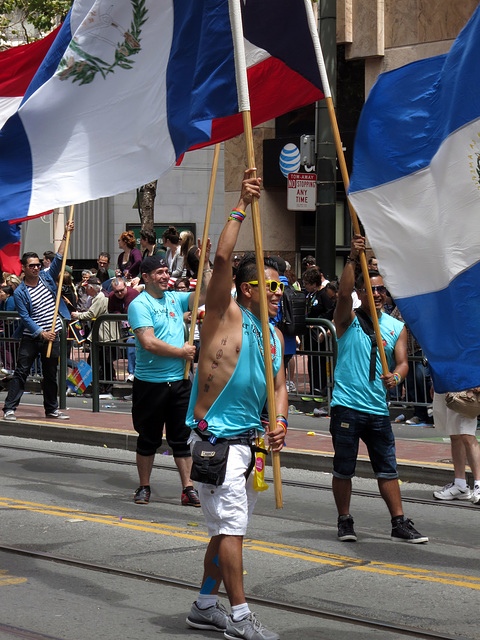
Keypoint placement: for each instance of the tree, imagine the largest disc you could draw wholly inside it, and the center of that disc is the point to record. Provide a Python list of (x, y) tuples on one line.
[(28, 20), (147, 205)]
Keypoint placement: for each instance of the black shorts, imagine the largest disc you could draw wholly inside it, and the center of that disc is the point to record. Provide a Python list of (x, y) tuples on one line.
[(155, 404)]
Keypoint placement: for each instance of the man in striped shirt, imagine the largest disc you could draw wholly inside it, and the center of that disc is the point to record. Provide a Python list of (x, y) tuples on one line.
[(35, 302)]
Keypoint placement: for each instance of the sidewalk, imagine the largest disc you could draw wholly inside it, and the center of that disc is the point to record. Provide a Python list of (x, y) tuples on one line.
[(421, 456)]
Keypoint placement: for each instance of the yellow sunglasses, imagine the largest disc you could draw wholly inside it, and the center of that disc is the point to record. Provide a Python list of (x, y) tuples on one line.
[(273, 285)]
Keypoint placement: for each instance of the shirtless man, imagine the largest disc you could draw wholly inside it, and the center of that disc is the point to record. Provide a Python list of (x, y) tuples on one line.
[(227, 398)]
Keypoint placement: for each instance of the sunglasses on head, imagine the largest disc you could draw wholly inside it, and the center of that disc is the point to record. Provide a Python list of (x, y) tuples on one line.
[(379, 288), (273, 285)]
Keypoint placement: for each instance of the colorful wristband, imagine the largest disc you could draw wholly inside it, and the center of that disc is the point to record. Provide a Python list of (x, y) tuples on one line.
[(284, 427), (398, 378), (237, 215)]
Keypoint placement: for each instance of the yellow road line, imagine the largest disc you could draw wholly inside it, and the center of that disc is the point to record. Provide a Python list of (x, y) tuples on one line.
[(6, 580), (282, 550)]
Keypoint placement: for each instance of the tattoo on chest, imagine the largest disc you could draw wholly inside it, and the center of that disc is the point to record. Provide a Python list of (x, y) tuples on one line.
[(219, 354), (224, 341)]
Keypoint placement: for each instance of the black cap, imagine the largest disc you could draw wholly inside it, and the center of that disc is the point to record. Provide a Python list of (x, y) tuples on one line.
[(281, 264), (151, 263)]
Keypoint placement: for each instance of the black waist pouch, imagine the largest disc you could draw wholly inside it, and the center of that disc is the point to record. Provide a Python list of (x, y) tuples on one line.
[(209, 461)]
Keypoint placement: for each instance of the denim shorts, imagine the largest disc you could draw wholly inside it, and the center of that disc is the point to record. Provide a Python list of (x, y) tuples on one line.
[(347, 426)]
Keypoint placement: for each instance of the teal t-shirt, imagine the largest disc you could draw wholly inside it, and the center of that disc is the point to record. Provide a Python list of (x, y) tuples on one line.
[(352, 387), (240, 403), (165, 315)]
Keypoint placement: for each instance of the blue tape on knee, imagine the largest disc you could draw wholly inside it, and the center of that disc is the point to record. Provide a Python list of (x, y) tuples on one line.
[(208, 586), (215, 561)]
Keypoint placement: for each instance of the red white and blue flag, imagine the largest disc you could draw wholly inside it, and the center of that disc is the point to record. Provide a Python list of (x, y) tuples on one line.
[(127, 87)]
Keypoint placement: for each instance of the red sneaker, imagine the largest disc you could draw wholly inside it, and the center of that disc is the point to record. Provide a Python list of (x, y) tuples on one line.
[(190, 497)]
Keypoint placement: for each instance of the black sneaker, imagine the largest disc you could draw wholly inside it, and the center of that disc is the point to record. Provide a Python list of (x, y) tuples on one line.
[(142, 495), (346, 532), (403, 531)]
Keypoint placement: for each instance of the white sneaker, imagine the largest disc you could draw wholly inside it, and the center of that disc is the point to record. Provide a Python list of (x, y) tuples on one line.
[(10, 415), (453, 492), (476, 494)]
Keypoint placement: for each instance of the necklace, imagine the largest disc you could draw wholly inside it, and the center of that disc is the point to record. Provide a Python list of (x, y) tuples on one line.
[(258, 335)]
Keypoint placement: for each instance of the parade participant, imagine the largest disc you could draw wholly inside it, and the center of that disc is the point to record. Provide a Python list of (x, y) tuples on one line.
[(359, 406), (228, 395), (160, 394), (35, 301)]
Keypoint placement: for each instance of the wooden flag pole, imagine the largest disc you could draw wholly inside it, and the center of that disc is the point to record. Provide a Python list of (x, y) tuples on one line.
[(201, 263), (343, 168), (60, 281), (356, 229), (257, 236)]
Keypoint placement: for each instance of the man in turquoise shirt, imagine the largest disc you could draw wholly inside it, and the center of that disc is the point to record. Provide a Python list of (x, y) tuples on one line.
[(359, 405), (228, 396), (160, 394)]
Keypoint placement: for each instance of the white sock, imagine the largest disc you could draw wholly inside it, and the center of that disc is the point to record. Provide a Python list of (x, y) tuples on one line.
[(206, 601), (461, 482), (240, 611)]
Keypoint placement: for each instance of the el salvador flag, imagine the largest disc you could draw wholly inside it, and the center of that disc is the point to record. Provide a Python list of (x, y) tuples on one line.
[(416, 187), (128, 86)]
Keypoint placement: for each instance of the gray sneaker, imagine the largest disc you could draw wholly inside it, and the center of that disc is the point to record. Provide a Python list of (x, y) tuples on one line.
[(10, 415), (57, 414), (212, 618), (248, 628)]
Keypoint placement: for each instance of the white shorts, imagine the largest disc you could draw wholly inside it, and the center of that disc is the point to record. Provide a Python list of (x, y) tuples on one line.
[(450, 422), (228, 508)]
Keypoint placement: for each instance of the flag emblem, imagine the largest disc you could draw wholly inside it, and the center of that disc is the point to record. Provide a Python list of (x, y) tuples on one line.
[(79, 66), (474, 158)]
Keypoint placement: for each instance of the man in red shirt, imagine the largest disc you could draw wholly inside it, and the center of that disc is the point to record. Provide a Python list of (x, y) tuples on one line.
[(118, 301)]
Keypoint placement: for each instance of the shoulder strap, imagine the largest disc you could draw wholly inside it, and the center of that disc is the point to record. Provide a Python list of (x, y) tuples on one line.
[(367, 326)]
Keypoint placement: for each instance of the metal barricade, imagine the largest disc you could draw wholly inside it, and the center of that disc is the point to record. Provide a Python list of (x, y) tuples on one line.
[(314, 362), (104, 355)]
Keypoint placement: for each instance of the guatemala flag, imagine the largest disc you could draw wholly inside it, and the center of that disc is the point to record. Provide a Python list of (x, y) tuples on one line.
[(128, 86), (416, 188)]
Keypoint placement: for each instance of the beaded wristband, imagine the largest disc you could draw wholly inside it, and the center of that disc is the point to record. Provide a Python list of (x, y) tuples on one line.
[(398, 378)]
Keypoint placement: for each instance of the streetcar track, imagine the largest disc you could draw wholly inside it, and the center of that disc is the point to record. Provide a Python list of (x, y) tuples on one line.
[(182, 584), (289, 483)]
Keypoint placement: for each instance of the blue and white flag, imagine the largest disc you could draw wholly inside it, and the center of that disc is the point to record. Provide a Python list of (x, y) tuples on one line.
[(416, 188), (128, 86)]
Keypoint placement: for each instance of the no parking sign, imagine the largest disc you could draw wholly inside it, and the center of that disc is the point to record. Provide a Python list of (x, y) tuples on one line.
[(302, 191)]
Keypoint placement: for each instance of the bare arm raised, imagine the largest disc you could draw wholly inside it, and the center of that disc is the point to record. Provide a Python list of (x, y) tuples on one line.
[(219, 291), (344, 315)]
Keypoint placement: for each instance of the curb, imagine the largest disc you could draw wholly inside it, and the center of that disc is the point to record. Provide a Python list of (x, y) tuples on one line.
[(127, 441)]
